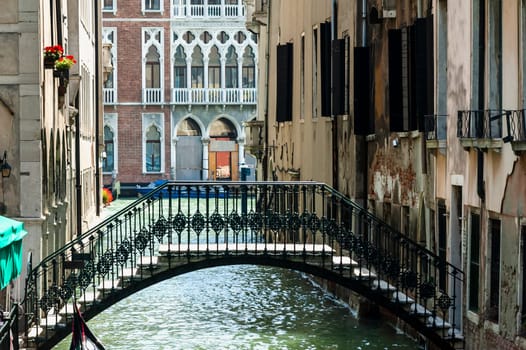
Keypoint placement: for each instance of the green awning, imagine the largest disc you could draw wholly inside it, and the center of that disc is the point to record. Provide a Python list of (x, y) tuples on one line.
[(11, 234)]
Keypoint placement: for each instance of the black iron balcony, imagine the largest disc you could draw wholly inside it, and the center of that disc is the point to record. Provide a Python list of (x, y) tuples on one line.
[(517, 130), (435, 130), (481, 129)]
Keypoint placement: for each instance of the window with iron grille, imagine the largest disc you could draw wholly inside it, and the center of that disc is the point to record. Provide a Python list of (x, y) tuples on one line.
[(494, 288), (474, 263)]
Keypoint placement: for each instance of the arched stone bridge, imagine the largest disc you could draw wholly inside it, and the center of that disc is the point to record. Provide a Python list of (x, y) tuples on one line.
[(305, 226)]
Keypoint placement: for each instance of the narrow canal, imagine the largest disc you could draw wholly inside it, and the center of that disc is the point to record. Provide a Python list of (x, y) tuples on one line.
[(238, 307)]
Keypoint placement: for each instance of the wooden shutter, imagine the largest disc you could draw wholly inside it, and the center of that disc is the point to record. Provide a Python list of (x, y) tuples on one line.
[(338, 77), (325, 61), (396, 121), (362, 87), (421, 74), (284, 83)]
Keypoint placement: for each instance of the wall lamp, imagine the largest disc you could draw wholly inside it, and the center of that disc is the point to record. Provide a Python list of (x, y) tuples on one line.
[(5, 168)]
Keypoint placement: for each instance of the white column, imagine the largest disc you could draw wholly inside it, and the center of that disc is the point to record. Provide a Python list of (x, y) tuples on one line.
[(205, 78), (205, 158), (223, 69), (189, 77), (240, 78)]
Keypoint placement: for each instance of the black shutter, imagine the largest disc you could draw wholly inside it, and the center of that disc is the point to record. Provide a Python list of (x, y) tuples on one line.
[(325, 58), (362, 87), (395, 80), (284, 83), (338, 77), (421, 70), (415, 78), (430, 73)]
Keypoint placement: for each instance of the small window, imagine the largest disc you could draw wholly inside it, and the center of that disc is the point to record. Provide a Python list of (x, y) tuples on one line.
[(108, 162), (153, 150), (152, 5), (107, 5)]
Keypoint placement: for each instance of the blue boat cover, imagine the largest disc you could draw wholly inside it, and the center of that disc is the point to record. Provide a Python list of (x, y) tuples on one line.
[(11, 234)]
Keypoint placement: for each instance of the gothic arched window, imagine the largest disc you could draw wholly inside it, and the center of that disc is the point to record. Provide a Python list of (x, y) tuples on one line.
[(248, 69), (231, 68), (153, 73), (180, 68)]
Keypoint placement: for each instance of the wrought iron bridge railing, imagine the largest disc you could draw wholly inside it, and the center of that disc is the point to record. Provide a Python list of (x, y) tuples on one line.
[(180, 227)]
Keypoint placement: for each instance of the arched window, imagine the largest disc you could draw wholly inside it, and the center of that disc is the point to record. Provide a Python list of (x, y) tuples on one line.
[(231, 68), (249, 69), (180, 68), (108, 162), (214, 69), (153, 149), (197, 68), (153, 74)]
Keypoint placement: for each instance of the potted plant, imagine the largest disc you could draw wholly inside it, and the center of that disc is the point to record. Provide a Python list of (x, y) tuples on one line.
[(62, 66), (51, 55)]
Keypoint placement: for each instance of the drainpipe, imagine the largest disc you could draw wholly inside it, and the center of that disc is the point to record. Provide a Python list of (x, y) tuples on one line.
[(335, 162), (364, 23), (419, 9), (482, 61), (78, 184), (267, 73), (362, 139), (98, 54)]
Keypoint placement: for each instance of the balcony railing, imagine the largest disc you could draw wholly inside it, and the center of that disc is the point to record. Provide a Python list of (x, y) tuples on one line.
[(207, 10), (152, 95), (110, 96), (480, 128), (200, 96), (435, 130), (517, 130)]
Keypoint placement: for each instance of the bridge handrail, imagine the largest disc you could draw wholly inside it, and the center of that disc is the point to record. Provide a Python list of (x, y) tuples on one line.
[(379, 221)]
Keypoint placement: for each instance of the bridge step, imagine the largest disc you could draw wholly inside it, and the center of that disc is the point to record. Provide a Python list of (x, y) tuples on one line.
[(344, 261), (363, 274), (248, 248), (89, 297), (419, 310), (437, 322), (402, 298), (109, 285), (458, 336), (148, 262), (382, 286)]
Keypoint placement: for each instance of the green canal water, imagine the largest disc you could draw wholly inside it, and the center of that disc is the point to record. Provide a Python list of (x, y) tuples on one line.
[(238, 307)]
